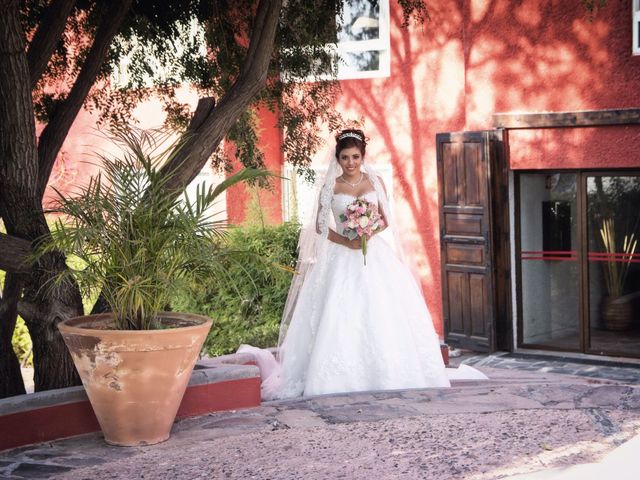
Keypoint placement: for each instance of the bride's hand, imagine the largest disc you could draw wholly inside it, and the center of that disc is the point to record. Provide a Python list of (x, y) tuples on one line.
[(353, 244)]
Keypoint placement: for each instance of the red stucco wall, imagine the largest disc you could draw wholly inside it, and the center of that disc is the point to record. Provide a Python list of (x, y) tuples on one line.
[(538, 56), (475, 58), (240, 199), (554, 148)]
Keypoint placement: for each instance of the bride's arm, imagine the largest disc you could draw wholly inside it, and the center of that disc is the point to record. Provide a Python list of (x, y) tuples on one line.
[(335, 237), (382, 212)]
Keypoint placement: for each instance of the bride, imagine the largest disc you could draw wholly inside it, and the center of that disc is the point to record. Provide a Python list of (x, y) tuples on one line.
[(348, 326)]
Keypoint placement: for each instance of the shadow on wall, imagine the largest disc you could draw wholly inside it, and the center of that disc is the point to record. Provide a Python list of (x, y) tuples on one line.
[(474, 59)]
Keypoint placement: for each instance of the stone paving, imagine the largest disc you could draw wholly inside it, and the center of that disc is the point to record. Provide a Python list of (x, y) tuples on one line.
[(525, 419), (538, 363)]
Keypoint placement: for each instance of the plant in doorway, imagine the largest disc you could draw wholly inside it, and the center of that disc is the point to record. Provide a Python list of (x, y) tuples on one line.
[(138, 243), (617, 308)]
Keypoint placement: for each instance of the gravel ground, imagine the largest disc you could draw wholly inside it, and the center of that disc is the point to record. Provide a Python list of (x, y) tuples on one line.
[(470, 446), (519, 422)]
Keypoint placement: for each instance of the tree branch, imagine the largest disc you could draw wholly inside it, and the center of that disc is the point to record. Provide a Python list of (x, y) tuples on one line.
[(205, 136), (9, 301), (203, 110), (14, 254), (47, 37), (29, 310), (58, 127)]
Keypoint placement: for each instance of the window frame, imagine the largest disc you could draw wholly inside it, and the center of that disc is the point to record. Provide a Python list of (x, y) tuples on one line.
[(382, 45), (585, 331), (635, 27)]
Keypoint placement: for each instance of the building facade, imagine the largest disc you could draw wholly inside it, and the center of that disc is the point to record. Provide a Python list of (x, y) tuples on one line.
[(508, 135), (509, 132)]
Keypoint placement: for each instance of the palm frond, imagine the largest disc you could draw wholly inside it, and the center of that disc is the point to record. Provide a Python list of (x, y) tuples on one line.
[(136, 241)]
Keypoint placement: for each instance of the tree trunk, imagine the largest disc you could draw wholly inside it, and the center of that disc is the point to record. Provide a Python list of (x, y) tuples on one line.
[(21, 209), (47, 300), (10, 376), (15, 253)]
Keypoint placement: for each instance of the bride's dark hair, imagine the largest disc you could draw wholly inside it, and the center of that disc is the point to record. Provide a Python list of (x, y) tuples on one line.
[(351, 137)]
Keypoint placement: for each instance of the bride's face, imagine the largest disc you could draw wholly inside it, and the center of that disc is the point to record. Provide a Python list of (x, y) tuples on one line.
[(350, 159)]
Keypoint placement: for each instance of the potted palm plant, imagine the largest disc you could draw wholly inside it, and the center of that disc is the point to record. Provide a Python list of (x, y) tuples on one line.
[(617, 308), (136, 244)]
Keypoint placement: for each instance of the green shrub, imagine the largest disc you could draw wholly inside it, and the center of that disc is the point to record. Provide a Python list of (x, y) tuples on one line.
[(247, 305), (21, 340)]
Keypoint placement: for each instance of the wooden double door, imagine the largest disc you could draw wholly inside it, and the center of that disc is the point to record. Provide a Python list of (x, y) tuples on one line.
[(474, 239)]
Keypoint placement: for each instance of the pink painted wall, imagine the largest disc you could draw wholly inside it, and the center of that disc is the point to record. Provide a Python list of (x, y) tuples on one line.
[(77, 160), (473, 59), (601, 147), (538, 56)]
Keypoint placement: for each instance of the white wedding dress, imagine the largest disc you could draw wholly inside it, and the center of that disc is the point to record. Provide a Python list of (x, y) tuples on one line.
[(355, 327)]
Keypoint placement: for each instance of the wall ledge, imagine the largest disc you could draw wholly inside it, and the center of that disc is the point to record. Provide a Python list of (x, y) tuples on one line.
[(581, 118)]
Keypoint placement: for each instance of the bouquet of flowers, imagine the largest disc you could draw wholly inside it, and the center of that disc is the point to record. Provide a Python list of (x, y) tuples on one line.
[(361, 219)]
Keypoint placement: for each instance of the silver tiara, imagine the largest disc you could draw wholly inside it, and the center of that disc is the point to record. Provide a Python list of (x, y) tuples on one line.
[(350, 134)]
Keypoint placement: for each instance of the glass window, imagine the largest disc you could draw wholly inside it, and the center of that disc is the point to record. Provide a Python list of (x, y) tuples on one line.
[(580, 262), (363, 39), (360, 21), (549, 260), (613, 232)]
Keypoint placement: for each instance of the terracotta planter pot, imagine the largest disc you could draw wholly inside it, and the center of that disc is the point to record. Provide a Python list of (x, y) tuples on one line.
[(135, 379), (617, 313)]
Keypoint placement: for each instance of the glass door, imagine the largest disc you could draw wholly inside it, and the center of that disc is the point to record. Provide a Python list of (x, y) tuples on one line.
[(549, 307), (578, 278), (613, 236)]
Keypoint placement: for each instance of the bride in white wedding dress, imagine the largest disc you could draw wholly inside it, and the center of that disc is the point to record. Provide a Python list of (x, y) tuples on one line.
[(348, 326)]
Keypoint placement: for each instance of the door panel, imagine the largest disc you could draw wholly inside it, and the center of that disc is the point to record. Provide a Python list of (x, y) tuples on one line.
[(462, 224), (477, 294), (549, 257), (455, 282), (465, 254), (475, 188), (464, 162), (450, 183)]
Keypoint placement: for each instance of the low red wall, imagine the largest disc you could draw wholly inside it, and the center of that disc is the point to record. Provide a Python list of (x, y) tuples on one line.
[(77, 418)]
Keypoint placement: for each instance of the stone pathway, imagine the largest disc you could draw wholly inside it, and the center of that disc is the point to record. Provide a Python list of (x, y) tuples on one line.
[(628, 373), (522, 420)]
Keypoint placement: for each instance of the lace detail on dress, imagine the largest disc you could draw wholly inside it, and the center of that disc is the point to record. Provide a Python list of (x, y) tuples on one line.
[(324, 204)]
